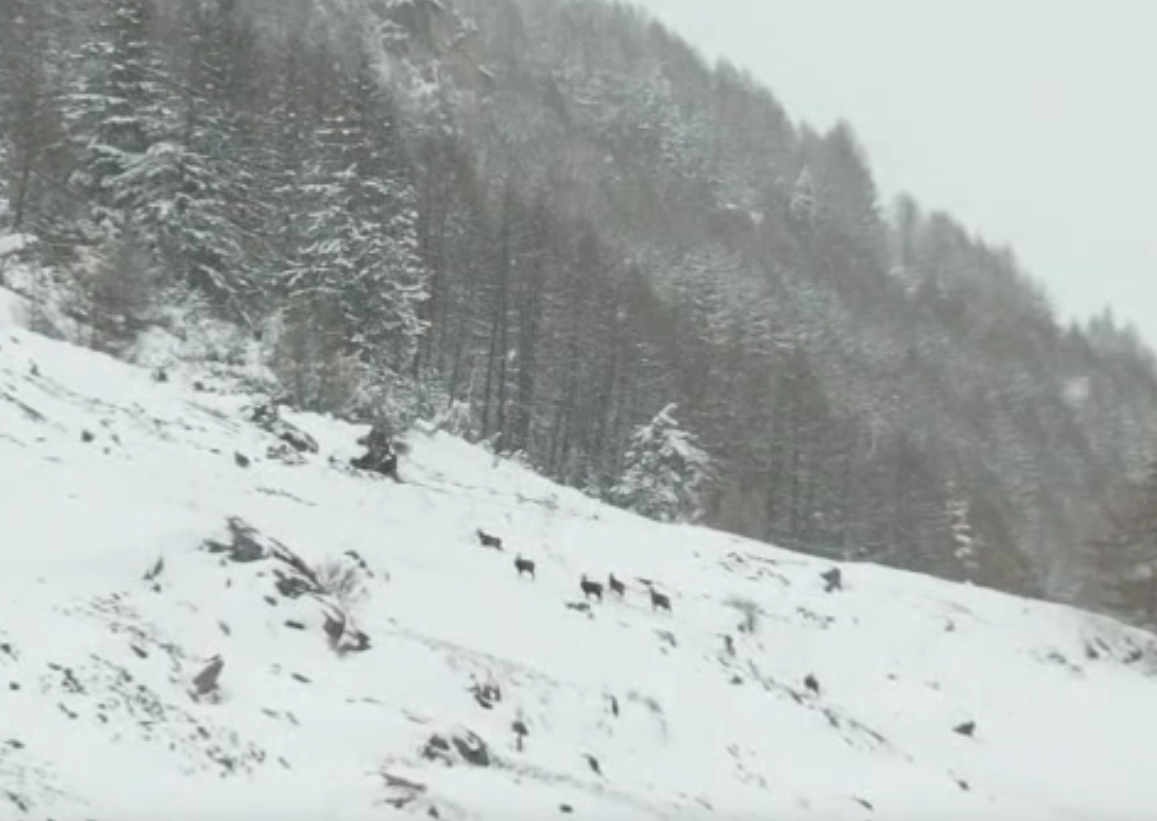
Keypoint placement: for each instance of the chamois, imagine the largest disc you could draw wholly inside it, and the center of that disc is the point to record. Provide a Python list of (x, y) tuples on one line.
[(524, 566), (487, 540), (812, 683), (590, 588), (616, 586), (660, 601)]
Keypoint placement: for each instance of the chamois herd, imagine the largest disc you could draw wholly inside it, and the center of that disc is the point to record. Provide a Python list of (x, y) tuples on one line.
[(590, 588)]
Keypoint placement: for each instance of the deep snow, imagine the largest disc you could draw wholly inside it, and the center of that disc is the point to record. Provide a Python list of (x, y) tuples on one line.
[(97, 662)]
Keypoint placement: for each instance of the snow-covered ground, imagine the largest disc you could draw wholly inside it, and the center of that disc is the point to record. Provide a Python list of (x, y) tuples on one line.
[(115, 489)]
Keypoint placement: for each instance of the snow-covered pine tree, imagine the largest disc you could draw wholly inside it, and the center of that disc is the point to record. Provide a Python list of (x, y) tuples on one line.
[(964, 542), (203, 199), (665, 471), (120, 112), (32, 161), (361, 243)]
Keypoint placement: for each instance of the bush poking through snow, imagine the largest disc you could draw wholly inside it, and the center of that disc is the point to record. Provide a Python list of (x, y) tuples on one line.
[(342, 580), (749, 610)]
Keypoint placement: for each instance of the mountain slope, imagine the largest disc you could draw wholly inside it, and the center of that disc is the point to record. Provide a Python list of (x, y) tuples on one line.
[(116, 489)]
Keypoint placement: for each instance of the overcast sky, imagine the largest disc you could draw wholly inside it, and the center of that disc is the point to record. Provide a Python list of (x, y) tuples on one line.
[(1034, 122)]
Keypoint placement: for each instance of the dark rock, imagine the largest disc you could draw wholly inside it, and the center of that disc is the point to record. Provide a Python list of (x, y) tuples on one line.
[(300, 678), (241, 460), (437, 748), (566, 809), (965, 729), (293, 587), (381, 454), (206, 681), (140, 652), (267, 417), (295, 625), (155, 571), (472, 749), (833, 580), (812, 683), (272, 602), (245, 543), (87, 436)]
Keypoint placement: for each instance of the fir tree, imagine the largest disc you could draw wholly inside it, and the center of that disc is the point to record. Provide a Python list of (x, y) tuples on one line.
[(665, 471)]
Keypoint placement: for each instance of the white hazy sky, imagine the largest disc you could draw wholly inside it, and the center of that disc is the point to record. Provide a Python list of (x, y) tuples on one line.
[(1034, 122)]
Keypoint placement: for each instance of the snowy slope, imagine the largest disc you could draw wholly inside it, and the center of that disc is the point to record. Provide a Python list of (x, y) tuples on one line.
[(97, 662)]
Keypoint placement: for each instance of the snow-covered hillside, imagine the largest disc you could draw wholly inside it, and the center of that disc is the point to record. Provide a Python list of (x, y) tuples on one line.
[(149, 526)]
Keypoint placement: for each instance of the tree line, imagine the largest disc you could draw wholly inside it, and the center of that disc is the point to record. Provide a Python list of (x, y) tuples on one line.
[(545, 225)]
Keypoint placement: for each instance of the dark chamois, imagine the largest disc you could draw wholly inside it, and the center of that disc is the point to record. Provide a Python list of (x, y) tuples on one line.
[(812, 683), (486, 540), (616, 586), (524, 566), (590, 588), (660, 601)]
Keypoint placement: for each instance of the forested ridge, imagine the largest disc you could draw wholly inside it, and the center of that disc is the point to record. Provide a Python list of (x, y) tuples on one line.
[(553, 227)]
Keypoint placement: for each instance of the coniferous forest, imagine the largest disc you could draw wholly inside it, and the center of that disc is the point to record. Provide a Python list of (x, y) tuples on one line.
[(552, 227)]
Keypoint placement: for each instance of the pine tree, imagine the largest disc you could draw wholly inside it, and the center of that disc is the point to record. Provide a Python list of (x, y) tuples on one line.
[(33, 159), (665, 472), (360, 240), (203, 202), (121, 113), (1124, 555)]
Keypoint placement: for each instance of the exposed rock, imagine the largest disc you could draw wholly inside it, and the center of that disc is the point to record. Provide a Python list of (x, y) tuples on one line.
[(206, 681), (246, 544), (381, 455), (267, 417), (463, 746), (155, 570)]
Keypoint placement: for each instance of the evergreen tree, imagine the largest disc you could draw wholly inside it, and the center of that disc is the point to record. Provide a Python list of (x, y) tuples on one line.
[(665, 472), (121, 113), (203, 197), (33, 158), (1124, 554), (361, 240)]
